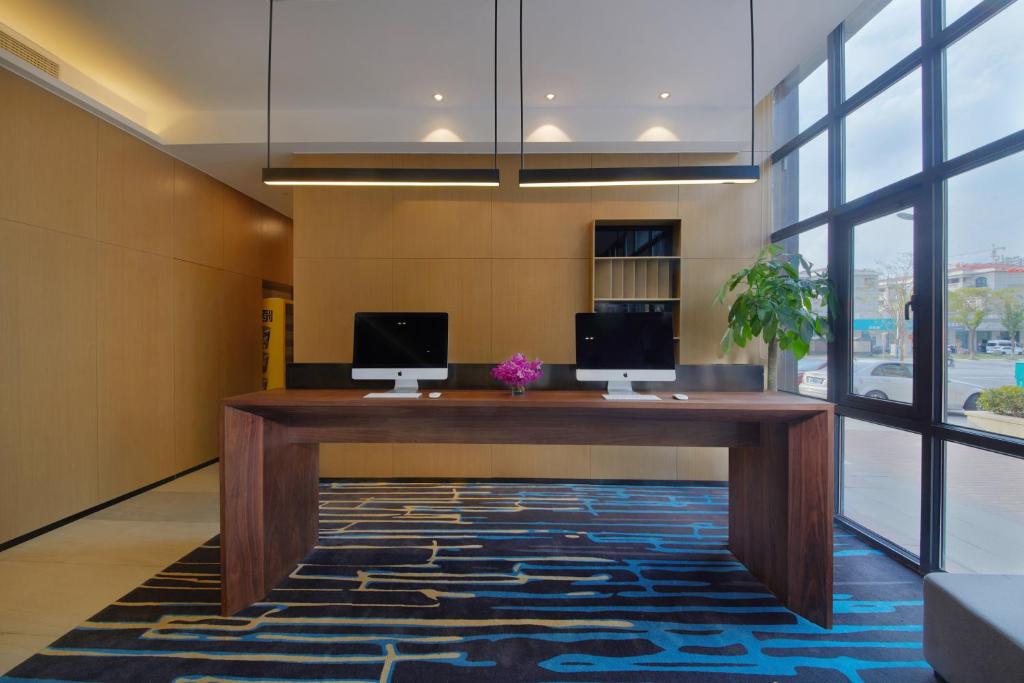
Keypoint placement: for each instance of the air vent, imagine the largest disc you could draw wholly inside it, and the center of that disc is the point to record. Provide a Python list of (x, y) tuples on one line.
[(27, 54)]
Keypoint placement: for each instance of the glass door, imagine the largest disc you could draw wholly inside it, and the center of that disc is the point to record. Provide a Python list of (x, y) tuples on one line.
[(882, 381), (878, 335)]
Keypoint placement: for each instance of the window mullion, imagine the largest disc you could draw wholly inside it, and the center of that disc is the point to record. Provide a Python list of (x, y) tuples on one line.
[(932, 78), (835, 123)]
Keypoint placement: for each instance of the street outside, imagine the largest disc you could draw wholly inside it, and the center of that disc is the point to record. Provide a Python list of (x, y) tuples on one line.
[(984, 500), (985, 371)]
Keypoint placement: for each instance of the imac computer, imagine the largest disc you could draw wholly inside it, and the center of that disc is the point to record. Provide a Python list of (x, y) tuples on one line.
[(620, 348), (405, 347)]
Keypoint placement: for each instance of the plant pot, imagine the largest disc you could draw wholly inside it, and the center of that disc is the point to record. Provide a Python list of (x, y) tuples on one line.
[(998, 424)]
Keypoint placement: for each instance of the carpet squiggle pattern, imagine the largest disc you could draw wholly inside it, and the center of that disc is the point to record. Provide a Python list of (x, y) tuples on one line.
[(505, 582)]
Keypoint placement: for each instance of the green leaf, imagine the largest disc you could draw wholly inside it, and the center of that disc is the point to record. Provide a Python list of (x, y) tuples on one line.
[(781, 300)]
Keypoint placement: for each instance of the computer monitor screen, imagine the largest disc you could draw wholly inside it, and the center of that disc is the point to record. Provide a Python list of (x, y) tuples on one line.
[(624, 341), (400, 341)]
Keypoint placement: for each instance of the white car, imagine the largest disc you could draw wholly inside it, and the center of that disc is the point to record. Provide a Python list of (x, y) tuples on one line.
[(1003, 347), (893, 381)]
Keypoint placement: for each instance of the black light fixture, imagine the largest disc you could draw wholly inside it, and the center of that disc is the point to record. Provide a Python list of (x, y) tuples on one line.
[(636, 175), (382, 177)]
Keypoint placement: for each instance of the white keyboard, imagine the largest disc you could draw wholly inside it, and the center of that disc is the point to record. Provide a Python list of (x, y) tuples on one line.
[(393, 394), (631, 397)]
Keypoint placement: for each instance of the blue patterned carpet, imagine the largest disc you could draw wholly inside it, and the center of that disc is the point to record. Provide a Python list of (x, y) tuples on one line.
[(505, 582)]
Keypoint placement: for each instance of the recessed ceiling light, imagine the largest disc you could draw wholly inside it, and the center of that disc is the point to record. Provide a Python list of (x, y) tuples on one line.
[(665, 95), (550, 96), (438, 97)]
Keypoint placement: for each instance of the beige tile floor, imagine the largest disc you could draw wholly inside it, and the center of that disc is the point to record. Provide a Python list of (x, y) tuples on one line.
[(52, 583)]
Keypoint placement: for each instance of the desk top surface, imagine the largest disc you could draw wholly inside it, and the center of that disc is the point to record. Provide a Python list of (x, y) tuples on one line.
[(734, 404)]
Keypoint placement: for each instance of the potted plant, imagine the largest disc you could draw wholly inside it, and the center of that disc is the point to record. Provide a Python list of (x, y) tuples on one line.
[(1002, 411), (782, 301), (518, 371)]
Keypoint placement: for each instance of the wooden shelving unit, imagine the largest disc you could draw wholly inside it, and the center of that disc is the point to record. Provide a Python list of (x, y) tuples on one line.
[(636, 266)]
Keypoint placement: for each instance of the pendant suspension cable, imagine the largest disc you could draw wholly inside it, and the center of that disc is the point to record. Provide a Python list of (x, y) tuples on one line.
[(752, 105), (345, 176), (522, 153), (495, 83), (270, 52)]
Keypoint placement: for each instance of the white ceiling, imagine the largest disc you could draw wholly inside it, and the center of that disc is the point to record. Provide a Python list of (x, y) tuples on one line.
[(360, 74)]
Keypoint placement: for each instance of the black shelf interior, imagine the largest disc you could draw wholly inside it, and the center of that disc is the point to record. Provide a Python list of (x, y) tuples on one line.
[(640, 239)]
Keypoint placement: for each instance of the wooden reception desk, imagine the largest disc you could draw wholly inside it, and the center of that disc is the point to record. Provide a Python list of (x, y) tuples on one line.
[(780, 468)]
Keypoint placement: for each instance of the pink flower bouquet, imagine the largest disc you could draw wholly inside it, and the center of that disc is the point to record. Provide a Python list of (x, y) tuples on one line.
[(517, 372)]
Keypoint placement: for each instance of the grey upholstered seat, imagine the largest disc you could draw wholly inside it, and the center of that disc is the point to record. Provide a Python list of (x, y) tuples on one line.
[(974, 627)]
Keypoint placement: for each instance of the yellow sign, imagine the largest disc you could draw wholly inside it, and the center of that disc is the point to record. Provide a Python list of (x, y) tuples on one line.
[(274, 330)]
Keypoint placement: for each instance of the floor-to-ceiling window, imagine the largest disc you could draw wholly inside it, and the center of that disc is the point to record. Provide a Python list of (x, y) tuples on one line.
[(899, 166)]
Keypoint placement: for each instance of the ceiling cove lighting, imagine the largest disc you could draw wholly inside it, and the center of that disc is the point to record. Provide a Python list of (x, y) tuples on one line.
[(382, 177), (637, 175)]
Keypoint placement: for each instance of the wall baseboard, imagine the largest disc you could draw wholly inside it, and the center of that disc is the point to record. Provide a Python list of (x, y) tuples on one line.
[(96, 508)]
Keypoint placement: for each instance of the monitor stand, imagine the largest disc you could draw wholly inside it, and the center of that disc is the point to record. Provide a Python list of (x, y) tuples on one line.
[(622, 390), (404, 388)]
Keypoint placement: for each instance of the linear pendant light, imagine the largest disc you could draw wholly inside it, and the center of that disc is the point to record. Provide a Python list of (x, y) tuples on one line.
[(636, 175), (382, 177)]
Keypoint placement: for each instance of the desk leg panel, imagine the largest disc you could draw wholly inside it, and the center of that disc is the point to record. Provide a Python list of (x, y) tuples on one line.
[(758, 508), (811, 512), (269, 507), (780, 513), (241, 510), (291, 474)]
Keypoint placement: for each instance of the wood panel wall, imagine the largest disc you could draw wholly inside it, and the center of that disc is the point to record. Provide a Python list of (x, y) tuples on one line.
[(130, 288), (512, 267)]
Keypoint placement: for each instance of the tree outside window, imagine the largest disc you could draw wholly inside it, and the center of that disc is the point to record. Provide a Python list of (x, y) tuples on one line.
[(968, 306), (896, 289), (1009, 305)]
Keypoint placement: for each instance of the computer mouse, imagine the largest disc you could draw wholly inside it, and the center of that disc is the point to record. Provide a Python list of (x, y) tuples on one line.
[(680, 397), (434, 394)]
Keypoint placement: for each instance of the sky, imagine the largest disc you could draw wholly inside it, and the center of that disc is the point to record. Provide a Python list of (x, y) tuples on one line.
[(985, 86)]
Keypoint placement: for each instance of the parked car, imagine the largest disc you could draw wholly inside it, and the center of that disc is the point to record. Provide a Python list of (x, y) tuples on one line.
[(808, 364), (890, 380), (1003, 347)]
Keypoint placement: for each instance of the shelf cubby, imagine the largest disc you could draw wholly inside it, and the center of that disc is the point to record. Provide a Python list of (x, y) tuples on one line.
[(637, 267)]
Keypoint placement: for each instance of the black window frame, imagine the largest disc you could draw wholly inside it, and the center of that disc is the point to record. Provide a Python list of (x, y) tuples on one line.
[(925, 190)]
